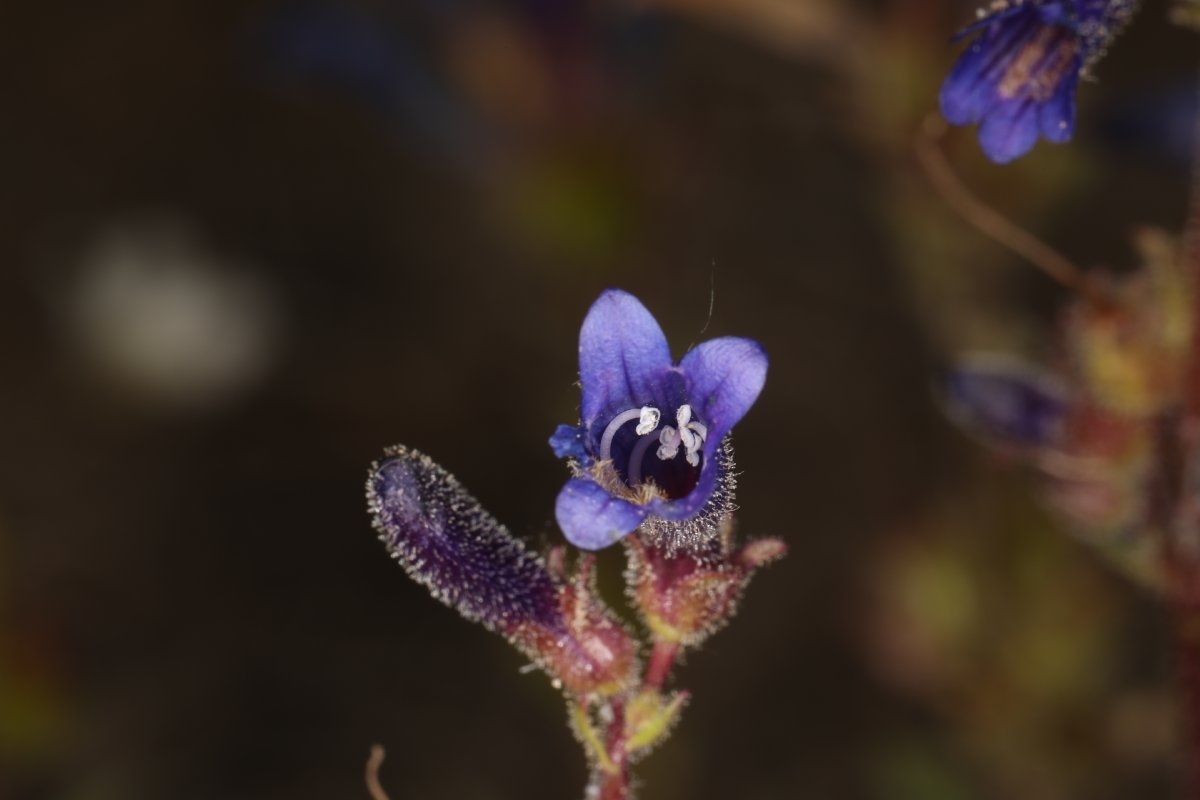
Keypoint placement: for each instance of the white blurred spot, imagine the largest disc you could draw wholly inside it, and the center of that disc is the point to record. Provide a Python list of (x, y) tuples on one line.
[(156, 314)]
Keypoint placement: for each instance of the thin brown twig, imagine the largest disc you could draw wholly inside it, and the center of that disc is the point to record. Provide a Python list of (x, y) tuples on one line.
[(374, 788), (992, 223)]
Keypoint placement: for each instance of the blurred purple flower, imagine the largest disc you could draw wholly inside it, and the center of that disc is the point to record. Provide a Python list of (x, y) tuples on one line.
[(1005, 401), (1017, 79), (651, 446)]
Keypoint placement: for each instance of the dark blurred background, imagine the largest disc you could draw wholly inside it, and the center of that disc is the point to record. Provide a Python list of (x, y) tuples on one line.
[(246, 245)]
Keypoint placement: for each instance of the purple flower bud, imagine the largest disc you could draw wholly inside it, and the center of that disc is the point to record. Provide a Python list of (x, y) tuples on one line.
[(470, 562), (446, 541)]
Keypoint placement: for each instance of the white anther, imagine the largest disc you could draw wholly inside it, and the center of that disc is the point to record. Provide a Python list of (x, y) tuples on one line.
[(648, 420), (669, 439), (683, 415), (690, 434), (698, 434), (690, 440), (643, 415)]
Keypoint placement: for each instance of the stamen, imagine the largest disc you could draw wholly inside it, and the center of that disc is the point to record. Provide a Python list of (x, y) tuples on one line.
[(683, 415), (691, 434), (669, 439), (701, 433), (689, 439), (645, 416), (648, 420), (635, 458)]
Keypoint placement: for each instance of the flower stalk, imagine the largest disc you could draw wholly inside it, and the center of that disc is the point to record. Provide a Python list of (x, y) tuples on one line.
[(662, 659), (1183, 558), (1115, 431), (651, 465)]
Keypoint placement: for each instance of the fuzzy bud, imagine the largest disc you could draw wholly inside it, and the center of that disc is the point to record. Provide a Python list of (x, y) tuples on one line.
[(447, 542)]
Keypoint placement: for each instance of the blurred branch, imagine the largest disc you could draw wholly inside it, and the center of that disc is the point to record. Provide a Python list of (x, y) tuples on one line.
[(992, 223), (831, 32), (373, 763)]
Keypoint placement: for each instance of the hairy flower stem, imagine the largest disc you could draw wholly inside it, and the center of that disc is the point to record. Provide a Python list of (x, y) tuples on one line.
[(662, 659), (612, 779), (615, 782)]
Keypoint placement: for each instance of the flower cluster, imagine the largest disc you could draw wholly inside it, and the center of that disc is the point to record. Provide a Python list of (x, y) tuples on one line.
[(650, 455), (1017, 78), (1095, 424)]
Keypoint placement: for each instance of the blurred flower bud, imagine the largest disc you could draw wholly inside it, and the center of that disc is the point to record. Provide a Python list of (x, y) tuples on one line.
[(1129, 354)]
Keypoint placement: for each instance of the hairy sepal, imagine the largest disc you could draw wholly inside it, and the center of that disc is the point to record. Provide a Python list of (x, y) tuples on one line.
[(684, 597)]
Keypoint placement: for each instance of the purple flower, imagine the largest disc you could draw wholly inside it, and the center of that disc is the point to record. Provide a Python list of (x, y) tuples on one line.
[(1017, 79), (1006, 402), (651, 447)]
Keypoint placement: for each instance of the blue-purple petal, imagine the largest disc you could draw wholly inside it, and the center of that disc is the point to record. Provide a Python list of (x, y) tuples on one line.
[(1055, 13), (1056, 117), (623, 356), (1009, 131), (591, 518), (971, 88), (964, 95), (724, 377), (567, 442)]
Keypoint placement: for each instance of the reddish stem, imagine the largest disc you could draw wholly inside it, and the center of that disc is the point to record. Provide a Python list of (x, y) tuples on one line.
[(662, 659), (614, 784), (995, 225), (614, 781), (1183, 568)]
